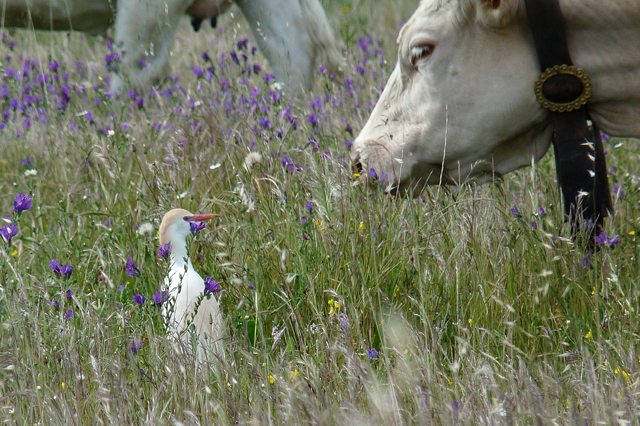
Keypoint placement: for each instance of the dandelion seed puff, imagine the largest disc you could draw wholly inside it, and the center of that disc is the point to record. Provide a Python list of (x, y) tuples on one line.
[(252, 160), (145, 229)]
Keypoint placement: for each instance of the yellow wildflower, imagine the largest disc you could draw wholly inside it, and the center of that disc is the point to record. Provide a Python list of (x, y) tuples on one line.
[(14, 253), (361, 225), (470, 321), (632, 233), (588, 335), (356, 175), (271, 379), (345, 9), (294, 374)]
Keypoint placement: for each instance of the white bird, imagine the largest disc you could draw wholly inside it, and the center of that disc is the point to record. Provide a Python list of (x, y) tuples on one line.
[(186, 287)]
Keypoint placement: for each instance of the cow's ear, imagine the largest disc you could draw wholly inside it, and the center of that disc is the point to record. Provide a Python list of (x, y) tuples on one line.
[(497, 13)]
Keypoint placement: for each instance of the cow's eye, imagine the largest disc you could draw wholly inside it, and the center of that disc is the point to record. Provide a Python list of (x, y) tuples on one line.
[(420, 51)]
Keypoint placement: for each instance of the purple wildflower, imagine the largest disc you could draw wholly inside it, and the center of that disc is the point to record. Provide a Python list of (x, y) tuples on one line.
[(197, 226), (585, 261), (68, 314), (55, 266), (139, 299), (268, 77), (55, 304), (373, 174), (211, 285), (312, 120), (309, 206), (344, 321), (9, 231), (159, 297), (66, 270), (165, 250), (515, 212), (135, 347), (303, 219), (287, 163), (122, 287), (25, 161), (305, 237), (197, 71), (534, 225), (603, 239), (132, 269), (542, 212), (242, 44), (251, 287), (68, 294), (618, 190), (264, 122), (372, 354)]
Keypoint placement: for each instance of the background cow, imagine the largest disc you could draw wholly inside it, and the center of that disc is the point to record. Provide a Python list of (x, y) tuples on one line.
[(460, 103), (292, 34)]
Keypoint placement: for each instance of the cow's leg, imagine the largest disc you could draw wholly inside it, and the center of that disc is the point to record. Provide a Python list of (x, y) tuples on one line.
[(144, 34), (292, 34)]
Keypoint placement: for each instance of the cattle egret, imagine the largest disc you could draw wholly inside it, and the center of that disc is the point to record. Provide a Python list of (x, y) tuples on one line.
[(187, 288)]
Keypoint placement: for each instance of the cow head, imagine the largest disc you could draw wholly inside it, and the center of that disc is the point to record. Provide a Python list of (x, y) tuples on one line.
[(460, 103)]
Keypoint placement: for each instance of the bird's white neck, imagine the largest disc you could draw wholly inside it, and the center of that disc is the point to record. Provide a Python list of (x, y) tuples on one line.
[(179, 255)]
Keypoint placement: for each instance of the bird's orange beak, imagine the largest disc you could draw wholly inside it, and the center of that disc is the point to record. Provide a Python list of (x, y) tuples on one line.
[(200, 217)]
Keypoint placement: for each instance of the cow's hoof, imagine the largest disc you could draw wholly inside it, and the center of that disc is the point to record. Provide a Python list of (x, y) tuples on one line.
[(196, 23)]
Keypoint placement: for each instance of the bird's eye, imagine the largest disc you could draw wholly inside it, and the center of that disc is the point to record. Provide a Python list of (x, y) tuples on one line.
[(419, 51), (185, 218)]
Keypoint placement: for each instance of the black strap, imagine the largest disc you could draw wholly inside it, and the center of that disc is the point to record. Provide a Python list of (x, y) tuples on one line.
[(583, 181)]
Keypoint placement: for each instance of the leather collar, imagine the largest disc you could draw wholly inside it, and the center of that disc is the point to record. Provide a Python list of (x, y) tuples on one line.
[(564, 90)]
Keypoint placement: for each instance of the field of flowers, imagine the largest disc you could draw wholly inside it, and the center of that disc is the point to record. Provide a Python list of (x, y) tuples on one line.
[(344, 305)]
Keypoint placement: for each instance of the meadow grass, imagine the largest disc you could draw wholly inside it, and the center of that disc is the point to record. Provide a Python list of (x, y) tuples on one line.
[(344, 305)]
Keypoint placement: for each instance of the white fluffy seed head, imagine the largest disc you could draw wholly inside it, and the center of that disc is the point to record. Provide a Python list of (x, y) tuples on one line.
[(251, 160), (145, 229)]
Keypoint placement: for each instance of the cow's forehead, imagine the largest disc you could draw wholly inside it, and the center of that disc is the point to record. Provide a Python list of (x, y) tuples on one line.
[(433, 8)]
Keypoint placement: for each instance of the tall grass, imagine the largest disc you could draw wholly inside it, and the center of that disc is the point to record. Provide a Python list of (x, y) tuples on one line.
[(476, 315)]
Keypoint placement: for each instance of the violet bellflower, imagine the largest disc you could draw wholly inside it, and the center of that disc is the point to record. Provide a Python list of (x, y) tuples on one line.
[(55, 266), (165, 250), (196, 226), (132, 269), (604, 239), (159, 297), (211, 285), (139, 299), (135, 347), (21, 203), (68, 314), (9, 231), (66, 270), (373, 353)]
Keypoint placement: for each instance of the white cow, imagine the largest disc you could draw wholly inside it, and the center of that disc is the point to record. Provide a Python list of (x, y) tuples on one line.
[(460, 103), (292, 34)]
